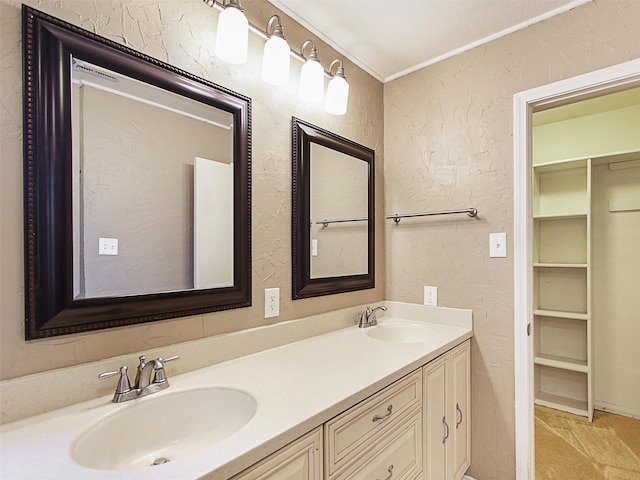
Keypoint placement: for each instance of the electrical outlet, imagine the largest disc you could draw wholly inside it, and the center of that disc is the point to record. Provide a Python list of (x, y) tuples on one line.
[(107, 246), (271, 302), (431, 296)]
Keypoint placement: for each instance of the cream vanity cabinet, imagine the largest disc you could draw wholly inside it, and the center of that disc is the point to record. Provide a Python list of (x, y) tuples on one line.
[(398, 433), (300, 460), (446, 415)]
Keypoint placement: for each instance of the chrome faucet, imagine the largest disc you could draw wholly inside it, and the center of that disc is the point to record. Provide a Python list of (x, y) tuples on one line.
[(367, 318), (143, 385)]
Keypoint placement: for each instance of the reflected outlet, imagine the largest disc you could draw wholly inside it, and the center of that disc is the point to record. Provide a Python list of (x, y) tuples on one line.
[(107, 246)]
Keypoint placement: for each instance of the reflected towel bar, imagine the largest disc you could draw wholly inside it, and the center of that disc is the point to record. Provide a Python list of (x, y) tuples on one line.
[(472, 212), (325, 223)]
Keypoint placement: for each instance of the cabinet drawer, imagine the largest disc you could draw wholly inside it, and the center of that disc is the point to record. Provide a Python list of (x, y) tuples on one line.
[(397, 456), (351, 432)]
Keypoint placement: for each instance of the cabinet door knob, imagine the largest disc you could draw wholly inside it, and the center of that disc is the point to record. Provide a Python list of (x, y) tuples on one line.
[(390, 470), (460, 412), (377, 418)]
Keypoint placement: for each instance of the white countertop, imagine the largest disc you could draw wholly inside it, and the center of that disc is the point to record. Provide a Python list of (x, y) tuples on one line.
[(297, 387)]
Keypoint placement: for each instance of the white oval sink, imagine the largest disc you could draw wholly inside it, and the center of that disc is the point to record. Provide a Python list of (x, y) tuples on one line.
[(402, 332), (171, 426)]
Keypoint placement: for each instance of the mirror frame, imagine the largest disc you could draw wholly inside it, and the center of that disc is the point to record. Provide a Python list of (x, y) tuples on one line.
[(303, 135), (48, 45)]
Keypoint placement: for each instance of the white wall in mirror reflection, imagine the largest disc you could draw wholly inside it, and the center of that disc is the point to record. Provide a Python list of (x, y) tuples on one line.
[(339, 191)]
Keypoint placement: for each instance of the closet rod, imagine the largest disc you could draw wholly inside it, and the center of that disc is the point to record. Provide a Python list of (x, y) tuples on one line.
[(472, 212), (325, 223)]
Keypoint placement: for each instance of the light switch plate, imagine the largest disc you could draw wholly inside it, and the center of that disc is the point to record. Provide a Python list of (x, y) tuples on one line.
[(497, 245), (314, 247), (107, 246), (271, 302)]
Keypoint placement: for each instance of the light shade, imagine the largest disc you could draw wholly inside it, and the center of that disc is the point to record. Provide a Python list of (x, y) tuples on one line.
[(311, 77), (337, 97), (276, 61), (233, 34)]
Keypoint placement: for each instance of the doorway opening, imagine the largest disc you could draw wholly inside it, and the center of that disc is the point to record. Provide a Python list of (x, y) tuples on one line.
[(610, 80)]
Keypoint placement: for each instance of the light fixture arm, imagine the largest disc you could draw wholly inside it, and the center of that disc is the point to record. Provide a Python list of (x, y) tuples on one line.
[(339, 71), (313, 54), (277, 30)]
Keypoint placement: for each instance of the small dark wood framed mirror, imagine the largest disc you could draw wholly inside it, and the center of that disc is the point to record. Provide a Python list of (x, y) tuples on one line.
[(137, 185), (333, 222)]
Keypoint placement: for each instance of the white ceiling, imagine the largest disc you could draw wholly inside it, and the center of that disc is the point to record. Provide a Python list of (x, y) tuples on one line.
[(391, 38)]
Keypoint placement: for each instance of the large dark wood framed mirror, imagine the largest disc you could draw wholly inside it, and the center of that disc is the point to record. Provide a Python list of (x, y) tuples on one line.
[(333, 218), (137, 185)]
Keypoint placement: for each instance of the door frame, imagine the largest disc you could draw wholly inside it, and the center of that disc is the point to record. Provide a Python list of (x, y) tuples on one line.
[(593, 84)]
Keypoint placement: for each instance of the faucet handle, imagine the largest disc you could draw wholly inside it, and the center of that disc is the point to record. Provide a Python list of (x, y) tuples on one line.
[(123, 383), (361, 319), (373, 320), (158, 367), (170, 359)]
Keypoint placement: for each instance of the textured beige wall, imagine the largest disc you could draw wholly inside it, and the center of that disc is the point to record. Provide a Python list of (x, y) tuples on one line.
[(449, 144), (181, 33)]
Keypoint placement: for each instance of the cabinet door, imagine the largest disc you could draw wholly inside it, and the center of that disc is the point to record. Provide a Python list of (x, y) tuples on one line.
[(459, 445), (436, 426), (300, 460)]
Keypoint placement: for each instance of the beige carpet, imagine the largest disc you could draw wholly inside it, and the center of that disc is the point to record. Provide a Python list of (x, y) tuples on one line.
[(568, 447)]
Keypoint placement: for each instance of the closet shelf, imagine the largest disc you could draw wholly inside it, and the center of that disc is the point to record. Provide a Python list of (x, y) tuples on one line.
[(560, 314), (571, 405), (556, 165), (577, 162), (558, 216), (563, 363), (560, 265)]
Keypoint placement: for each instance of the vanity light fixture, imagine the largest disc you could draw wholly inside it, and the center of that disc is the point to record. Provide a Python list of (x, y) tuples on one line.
[(232, 43), (276, 61), (232, 37), (311, 75), (337, 97)]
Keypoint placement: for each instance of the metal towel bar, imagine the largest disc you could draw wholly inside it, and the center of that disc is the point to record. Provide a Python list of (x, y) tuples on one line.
[(325, 223), (472, 212)]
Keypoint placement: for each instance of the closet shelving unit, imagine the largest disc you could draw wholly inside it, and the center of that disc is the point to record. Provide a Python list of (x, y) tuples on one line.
[(562, 286), (562, 264)]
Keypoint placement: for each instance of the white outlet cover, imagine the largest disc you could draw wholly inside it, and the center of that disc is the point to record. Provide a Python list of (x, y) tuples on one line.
[(431, 296), (271, 302), (498, 245)]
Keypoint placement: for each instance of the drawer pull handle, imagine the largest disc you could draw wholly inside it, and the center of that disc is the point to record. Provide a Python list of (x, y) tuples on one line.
[(390, 470), (377, 418), (446, 426), (460, 412)]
